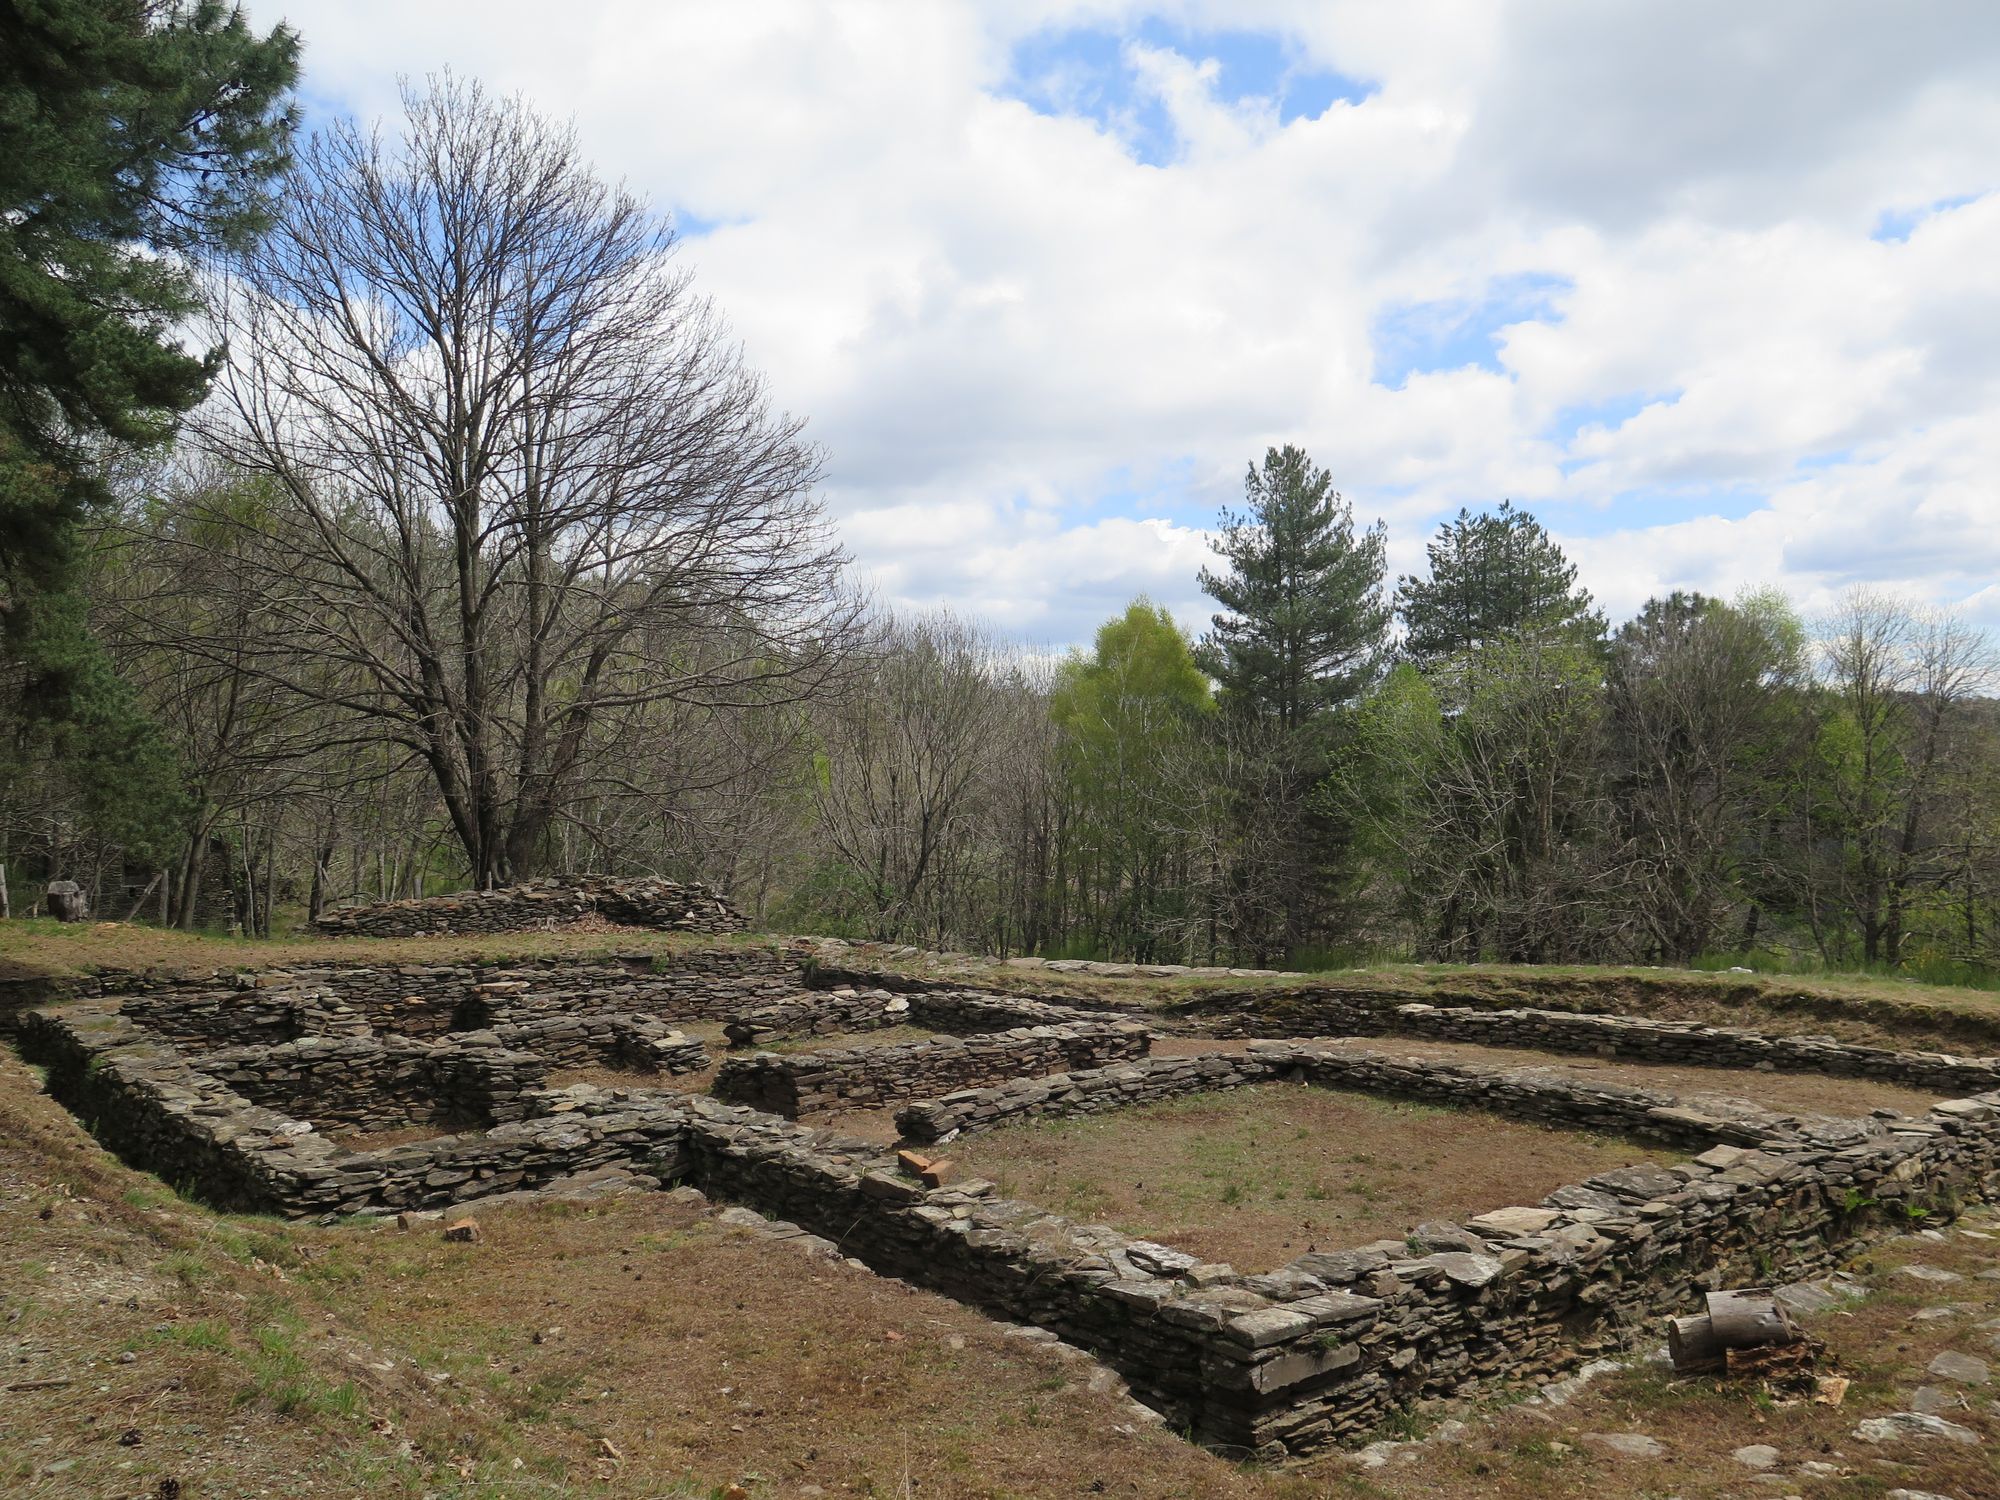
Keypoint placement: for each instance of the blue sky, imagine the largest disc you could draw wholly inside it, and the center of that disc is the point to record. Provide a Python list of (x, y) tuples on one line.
[(1706, 287), (1087, 71)]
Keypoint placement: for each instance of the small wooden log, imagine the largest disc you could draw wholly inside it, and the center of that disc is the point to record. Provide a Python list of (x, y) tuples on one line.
[(1750, 1319), (1692, 1344)]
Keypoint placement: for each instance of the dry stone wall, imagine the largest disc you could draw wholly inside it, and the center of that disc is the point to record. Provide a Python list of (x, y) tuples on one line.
[(360, 1083), (641, 1043), (557, 901), (1310, 1013), (958, 1012), (431, 999), (1530, 1094), (867, 1077), (161, 1112), (1330, 1345)]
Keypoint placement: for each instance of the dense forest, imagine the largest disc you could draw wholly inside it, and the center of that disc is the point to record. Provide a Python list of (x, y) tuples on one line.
[(480, 552)]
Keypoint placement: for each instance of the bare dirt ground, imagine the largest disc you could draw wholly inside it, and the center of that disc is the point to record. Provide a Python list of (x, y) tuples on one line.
[(1256, 1176)]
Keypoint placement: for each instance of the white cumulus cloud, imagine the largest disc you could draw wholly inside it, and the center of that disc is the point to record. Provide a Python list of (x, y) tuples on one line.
[(1764, 348)]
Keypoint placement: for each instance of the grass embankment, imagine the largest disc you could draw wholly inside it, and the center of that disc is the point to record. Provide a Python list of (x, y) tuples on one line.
[(40, 948)]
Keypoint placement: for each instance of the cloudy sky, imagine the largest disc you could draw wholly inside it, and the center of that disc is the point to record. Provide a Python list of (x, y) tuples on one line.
[(1712, 288)]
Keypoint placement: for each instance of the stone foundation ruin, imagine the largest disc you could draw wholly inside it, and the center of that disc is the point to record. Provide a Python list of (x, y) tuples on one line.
[(259, 1093)]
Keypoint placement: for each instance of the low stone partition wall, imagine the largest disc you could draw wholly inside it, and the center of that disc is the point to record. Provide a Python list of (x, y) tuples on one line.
[(384, 1083), (557, 901), (1089, 1091), (202, 1018), (1703, 1046), (611, 1040), (432, 999), (813, 1013), (1528, 1094), (867, 1077), (820, 974), (958, 1012), (1308, 1013)]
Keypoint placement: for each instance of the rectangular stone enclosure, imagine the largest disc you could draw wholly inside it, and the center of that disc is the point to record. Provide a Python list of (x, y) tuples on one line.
[(230, 1089)]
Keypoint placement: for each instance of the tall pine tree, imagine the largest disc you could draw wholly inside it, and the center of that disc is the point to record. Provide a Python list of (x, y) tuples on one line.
[(1305, 613), (138, 133), (1493, 575)]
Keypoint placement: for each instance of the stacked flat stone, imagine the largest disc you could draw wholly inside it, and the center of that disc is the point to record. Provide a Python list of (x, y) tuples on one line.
[(583, 1039), (555, 901), (806, 1083), (960, 1012), (430, 999), (1315, 1013)]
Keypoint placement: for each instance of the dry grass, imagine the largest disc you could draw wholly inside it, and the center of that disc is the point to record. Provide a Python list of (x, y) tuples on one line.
[(1256, 1176), (30, 949)]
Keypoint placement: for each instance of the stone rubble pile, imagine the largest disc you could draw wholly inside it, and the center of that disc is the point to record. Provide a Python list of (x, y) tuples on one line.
[(554, 901)]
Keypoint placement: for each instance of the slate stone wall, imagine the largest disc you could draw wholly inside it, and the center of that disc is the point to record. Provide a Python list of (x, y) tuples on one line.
[(1307, 1013), (957, 1012), (841, 1078), (1540, 1097), (431, 999)]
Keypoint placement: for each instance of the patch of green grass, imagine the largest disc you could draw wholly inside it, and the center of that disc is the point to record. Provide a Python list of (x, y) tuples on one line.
[(207, 1334), (281, 1376), (189, 1268)]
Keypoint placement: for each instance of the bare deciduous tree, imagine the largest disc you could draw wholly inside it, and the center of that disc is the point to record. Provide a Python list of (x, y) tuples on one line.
[(1899, 680), (903, 756), (526, 486)]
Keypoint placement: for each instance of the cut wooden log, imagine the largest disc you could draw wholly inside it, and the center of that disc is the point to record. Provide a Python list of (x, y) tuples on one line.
[(1750, 1319), (1691, 1343), (1745, 1319)]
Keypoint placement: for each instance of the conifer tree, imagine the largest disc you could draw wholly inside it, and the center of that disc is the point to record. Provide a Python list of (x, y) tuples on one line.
[(1305, 613), (1493, 575), (138, 133)]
